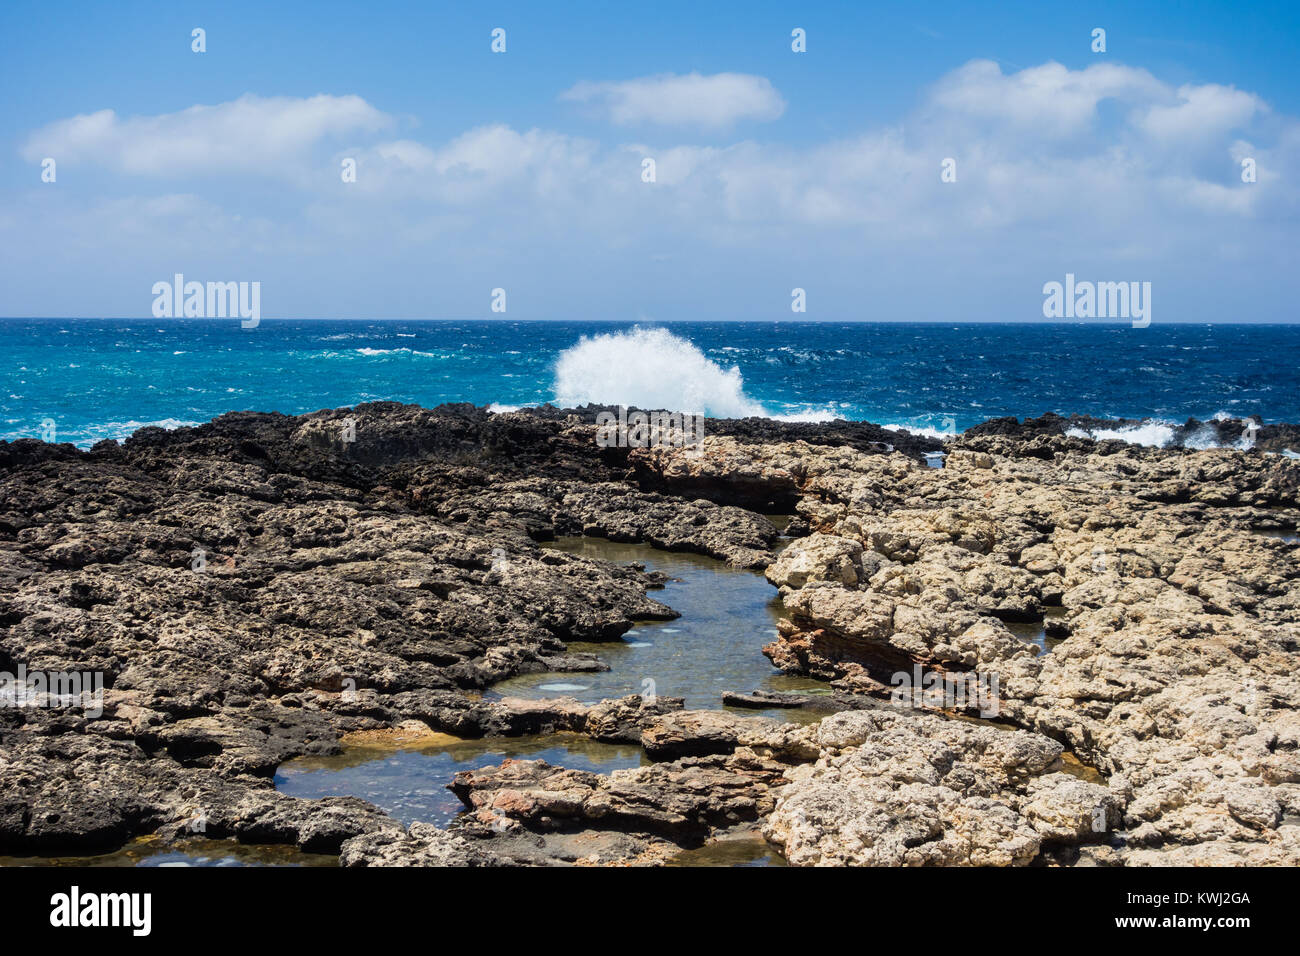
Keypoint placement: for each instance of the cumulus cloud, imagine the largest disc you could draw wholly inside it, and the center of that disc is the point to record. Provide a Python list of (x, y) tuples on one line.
[(484, 163), (1046, 174), (1028, 146), (1049, 100), (249, 133), (693, 99), (1200, 113), (1032, 149), (494, 152)]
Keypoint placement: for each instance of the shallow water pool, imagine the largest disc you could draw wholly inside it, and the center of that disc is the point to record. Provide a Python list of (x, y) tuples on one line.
[(153, 851), (409, 780), (727, 615)]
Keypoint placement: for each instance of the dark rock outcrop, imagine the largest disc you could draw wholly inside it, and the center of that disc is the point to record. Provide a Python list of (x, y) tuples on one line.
[(250, 589)]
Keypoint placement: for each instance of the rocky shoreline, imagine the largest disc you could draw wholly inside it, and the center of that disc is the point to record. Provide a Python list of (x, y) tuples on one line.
[(255, 588)]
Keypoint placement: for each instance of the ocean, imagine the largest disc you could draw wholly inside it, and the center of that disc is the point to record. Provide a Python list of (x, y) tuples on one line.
[(83, 380)]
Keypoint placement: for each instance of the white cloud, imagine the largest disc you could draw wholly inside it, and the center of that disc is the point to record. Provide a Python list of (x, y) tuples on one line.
[(1201, 113), (1049, 100), (250, 133), (1028, 146), (485, 163), (1045, 175), (710, 102)]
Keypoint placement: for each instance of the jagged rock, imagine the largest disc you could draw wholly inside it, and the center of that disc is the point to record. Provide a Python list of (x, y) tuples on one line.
[(530, 811), (1175, 652), (818, 557), (252, 588), (421, 845), (695, 733), (895, 789)]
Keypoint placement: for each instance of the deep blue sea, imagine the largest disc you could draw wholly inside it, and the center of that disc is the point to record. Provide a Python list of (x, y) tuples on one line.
[(90, 379)]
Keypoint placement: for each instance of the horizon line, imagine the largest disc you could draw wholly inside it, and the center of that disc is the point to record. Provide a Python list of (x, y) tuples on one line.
[(1117, 323)]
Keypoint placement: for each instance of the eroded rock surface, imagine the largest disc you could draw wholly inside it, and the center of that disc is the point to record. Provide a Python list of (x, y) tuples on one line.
[(908, 789), (1175, 591), (253, 588), (250, 589)]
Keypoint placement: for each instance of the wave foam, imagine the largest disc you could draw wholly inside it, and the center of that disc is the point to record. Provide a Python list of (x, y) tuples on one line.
[(649, 368), (1151, 434), (812, 415), (1157, 434), (85, 436), (923, 431), (371, 353)]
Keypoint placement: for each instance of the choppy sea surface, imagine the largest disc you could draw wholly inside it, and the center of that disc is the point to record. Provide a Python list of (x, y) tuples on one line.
[(82, 380)]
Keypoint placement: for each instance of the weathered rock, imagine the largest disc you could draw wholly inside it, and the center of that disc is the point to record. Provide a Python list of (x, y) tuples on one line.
[(818, 557), (253, 588), (896, 789), (696, 733), (530, 811), (1177, 645), (421, 845)]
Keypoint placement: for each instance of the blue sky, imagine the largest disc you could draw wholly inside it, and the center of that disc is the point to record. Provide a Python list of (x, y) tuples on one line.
[(775, 170)]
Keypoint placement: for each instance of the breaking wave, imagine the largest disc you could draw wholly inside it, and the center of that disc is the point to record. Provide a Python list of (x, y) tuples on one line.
[(87, 435), (1160, 434), (1151, 434), (650, 368), (924, 431)]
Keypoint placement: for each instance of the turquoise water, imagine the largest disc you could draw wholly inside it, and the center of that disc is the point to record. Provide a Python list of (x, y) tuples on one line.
[(96, 379)]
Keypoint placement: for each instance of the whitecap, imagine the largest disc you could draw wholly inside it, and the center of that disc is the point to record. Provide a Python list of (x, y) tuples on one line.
[(86, 435), (1159, 434), (650, 368), (1153, 434), (811, 415), (922, 431)]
